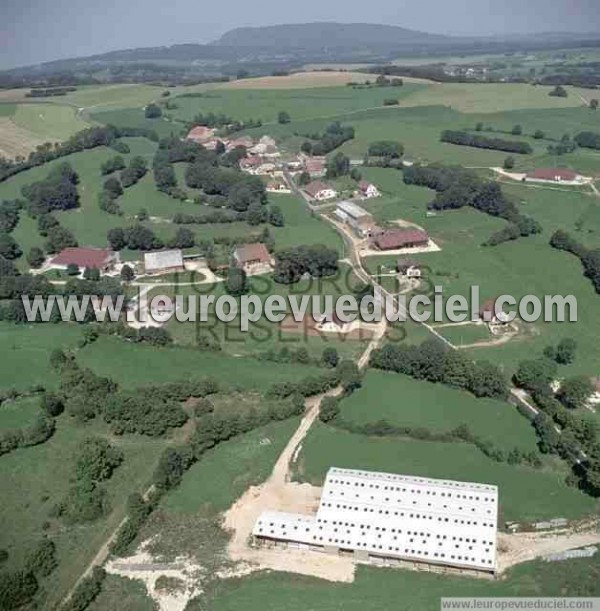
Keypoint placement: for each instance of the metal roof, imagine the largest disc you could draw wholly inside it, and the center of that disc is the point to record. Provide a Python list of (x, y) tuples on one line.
[(162, 259), (399, 516), (352, 209)]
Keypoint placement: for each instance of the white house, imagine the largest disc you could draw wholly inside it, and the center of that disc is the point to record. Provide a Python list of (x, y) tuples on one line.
[(320, 191), (368, 190)]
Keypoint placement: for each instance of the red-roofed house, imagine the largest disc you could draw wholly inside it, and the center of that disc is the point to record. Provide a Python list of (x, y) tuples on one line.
[(320, 191), (245, 141), (99, 258), (368, 190), (552, 175), (315, 166), (200, 134), (252, 258), (487, 313), (393, 239), (250, 164)]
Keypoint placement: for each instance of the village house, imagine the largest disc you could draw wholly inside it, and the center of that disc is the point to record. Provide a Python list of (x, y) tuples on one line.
[(395, 239), (320, 191), (213, 143), (367, 190), (250, 164), (252, 258), (163, 261), (487, 313), (200, 134), (358, 219), (552, 175), (245, 141), (266, 146), (408, 268), (315, 166), (101, 259), (277, 186)]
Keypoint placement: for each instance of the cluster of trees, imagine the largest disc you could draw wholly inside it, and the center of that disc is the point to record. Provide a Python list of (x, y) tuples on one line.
[(211, 430), (9, 215), (432, 361), (388, 149), (81, 141), (590, 140), (153, 111), (134, 172), (329, 357), (317, 261), (566, 145), (590, 258), (283, 117), (57, 236), (58, 191), (136, 237), (113, 164), (337, 165), (457, 187), (107, 198), (50, 92), (464, 138), (238, 191), (212, 217), (335, 135), (383, 81), (560, 431), (558, 92), (305, 387), (86, 591)]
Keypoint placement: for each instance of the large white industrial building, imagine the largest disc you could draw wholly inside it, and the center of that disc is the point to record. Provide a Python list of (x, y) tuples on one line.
[(386, 516)]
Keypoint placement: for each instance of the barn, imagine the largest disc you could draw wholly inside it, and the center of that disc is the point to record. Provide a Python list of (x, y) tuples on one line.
[(394, 239), (163, 261), (386, 517), (102, 259)]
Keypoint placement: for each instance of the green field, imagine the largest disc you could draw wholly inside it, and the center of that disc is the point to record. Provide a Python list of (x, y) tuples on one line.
[(25, 350), (404, 401), (525, 493), (378, 588), (135, 365), (265, 104), (50, 122)]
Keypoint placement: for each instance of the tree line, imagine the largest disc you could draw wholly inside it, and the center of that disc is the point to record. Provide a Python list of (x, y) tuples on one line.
[(464, 138), (335, 135), (590, 258), (457, 187)]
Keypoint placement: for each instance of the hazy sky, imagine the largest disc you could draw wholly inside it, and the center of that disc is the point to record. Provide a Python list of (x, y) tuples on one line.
[(33, 31)]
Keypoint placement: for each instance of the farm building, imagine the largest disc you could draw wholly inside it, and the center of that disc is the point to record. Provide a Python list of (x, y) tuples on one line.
[(200, 134), (252, 258), (277, 186), (368, 190), (408, 268), (392, 519), (320, 191), (393, 239), (98, 258), (163, 261), (355, 217), (487, 313), (266, 146), (552, 175)]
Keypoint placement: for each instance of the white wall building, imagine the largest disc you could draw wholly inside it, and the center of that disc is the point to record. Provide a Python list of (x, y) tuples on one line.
[(383, 515)]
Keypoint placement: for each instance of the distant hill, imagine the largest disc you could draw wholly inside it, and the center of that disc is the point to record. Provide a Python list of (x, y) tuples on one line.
[(330, 36)]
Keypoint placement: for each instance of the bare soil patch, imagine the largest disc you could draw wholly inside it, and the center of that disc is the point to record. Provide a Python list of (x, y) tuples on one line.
[(298, 80)]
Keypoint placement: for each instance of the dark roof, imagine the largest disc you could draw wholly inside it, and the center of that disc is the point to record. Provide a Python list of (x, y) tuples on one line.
[(552, 174), (399, 238), (313, 188), (249, 253), (404, 264), (83, 257)]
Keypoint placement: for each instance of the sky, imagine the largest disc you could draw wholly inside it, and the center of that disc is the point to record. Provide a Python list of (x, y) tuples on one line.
[(35, 31)]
